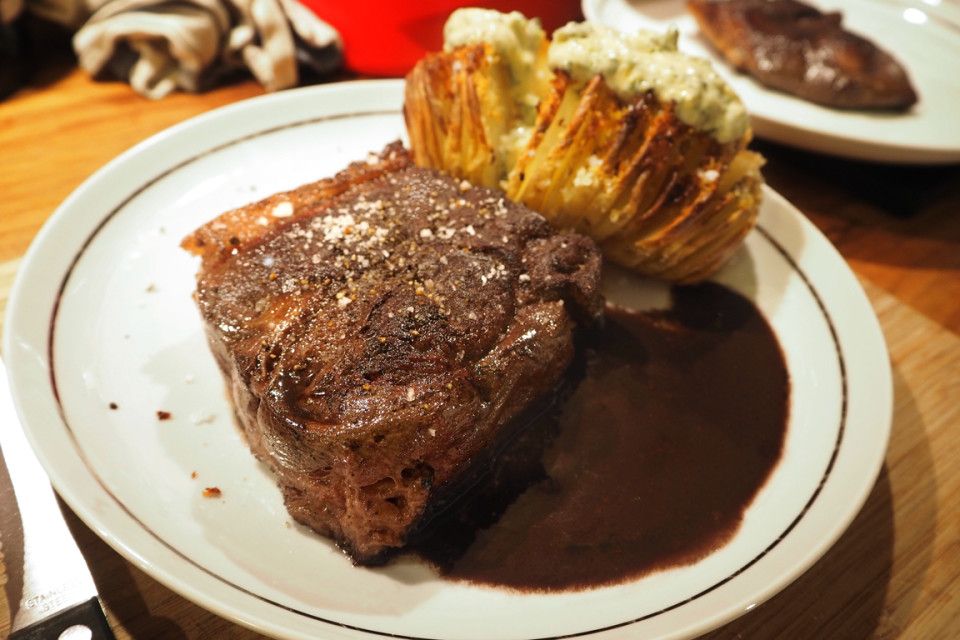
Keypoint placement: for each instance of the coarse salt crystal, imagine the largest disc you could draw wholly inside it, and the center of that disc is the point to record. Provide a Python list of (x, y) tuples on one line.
[(334, 227), (282, 209), (410, 394)]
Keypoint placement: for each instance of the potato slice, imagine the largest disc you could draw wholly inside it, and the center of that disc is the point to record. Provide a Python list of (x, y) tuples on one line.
[(658, 195)]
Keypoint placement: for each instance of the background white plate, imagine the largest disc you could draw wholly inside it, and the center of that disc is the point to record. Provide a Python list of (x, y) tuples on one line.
[(924, 35), (108, 270)]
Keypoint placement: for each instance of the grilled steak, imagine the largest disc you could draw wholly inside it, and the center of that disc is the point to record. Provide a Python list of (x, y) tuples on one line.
[(382, 332), (793, 47)]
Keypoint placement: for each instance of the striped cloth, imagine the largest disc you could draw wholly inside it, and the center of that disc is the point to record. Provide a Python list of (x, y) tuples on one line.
[(160, 46)]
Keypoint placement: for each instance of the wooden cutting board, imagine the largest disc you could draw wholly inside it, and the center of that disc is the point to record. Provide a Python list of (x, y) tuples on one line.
[(895, 573)]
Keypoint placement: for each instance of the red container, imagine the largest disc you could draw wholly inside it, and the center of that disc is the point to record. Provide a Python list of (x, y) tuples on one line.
[(386, 38)]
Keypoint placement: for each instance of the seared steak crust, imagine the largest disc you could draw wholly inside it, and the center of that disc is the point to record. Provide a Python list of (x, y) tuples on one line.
[(380, 330)]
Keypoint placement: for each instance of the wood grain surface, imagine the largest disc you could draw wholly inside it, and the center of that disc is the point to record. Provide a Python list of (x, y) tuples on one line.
[(894, 573)]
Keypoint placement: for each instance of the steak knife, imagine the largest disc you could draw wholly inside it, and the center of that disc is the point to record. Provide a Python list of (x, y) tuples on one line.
[(58, 599)]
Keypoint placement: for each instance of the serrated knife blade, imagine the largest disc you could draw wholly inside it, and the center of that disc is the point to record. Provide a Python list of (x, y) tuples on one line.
[(58, 598)]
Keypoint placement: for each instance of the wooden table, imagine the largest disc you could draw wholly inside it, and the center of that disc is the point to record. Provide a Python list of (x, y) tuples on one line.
[(894, 573)]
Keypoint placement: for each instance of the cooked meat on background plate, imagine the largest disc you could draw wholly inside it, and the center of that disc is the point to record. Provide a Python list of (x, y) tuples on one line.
[(792, 47)]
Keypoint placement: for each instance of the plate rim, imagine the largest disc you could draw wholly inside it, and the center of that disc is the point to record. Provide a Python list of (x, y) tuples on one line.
[(237, 614), (810, 138)]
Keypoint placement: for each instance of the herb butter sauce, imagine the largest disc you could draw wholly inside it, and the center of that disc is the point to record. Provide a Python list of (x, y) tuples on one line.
[(629, 63), (643, 61), (516, 40)]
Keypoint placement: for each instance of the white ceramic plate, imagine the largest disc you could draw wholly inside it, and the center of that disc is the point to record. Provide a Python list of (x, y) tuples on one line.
[(106, 277), (924, 35)]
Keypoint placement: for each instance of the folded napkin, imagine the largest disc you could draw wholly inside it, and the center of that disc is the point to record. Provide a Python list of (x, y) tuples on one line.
[(164, 45)]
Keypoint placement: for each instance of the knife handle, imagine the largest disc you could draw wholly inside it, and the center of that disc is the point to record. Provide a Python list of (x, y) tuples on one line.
[(88, 615)]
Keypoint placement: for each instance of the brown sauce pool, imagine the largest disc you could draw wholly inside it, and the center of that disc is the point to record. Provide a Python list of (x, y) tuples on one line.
[(671, 423)]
